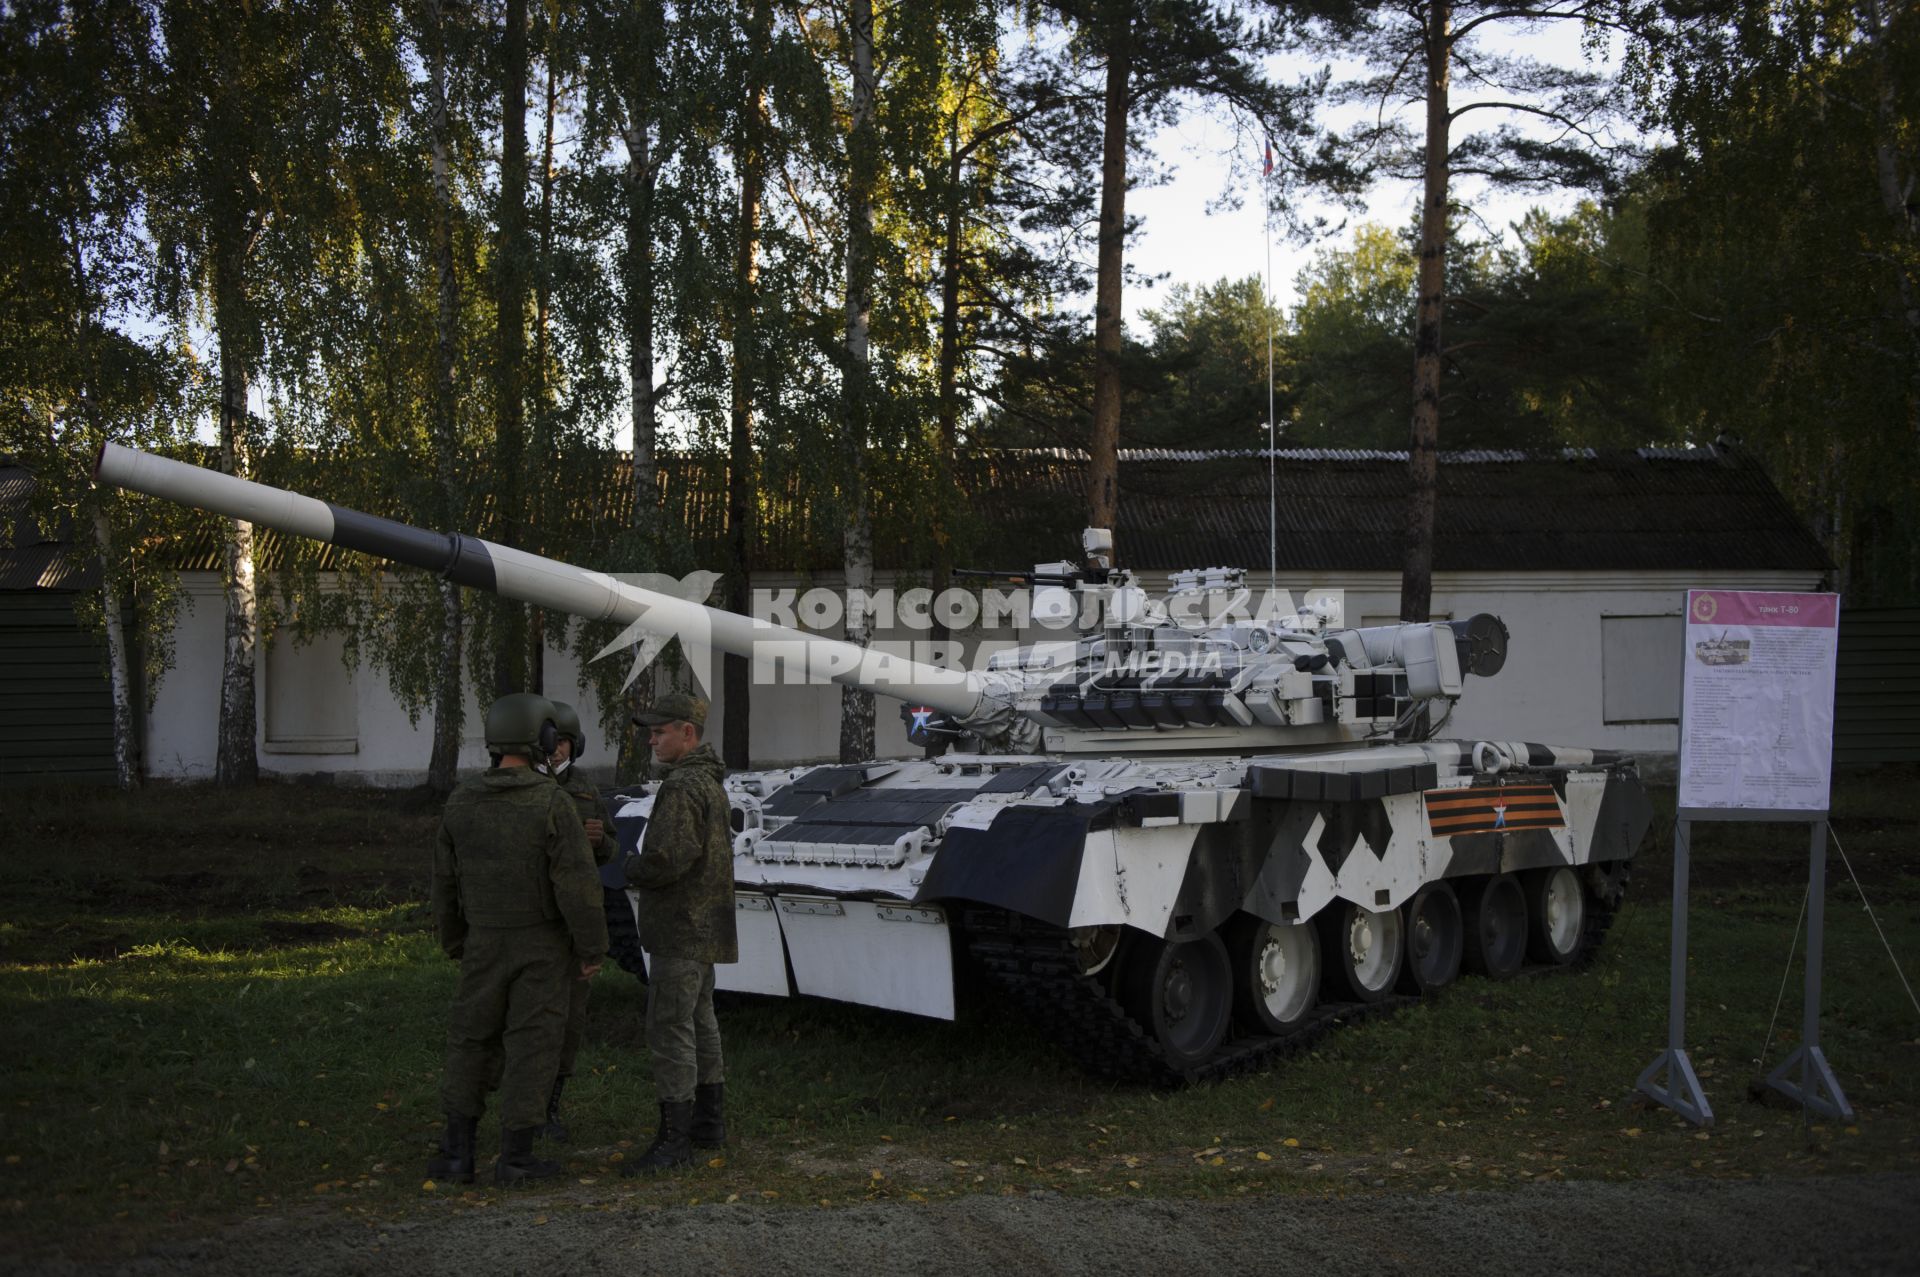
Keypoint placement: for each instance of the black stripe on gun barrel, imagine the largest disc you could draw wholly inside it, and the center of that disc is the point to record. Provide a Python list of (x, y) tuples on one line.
[(461, 559)]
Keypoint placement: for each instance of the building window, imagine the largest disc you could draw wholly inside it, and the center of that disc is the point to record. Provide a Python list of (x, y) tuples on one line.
[(311, 706), (1640, 668)]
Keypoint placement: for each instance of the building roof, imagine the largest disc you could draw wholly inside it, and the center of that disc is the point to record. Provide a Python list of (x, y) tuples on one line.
[(31, 559), (1711, 508), (1672, 509)]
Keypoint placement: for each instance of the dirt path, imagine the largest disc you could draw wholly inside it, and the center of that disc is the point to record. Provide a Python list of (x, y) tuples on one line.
[(1865, 1224)]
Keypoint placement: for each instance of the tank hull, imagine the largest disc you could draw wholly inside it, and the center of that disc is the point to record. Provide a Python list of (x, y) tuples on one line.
[(1070, 881)]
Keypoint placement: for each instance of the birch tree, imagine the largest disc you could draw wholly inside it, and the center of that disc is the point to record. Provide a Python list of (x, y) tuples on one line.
[(863, 156), (70, 379), (239, 162), (449, 704)]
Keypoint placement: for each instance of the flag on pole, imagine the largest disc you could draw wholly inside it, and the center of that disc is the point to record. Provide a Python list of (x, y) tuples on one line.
[(1267, 169)]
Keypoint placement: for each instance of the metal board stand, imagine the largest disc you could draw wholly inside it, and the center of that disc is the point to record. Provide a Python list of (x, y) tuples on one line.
[(1680, 1091), (1818, 1090), (1670, 1080)]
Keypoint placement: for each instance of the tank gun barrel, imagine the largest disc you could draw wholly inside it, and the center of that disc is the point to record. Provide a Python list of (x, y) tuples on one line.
[(530, 578)]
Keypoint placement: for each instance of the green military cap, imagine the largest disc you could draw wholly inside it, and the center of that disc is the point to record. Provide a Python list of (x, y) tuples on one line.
[(674, 707)]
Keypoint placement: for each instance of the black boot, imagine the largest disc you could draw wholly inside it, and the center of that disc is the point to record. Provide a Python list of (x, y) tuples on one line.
[(555, 1129), (517, 1163), (671, 1147), (709, 1115), (455, 1159)]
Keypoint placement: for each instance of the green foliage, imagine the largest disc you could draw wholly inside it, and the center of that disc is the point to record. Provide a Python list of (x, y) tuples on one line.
[(1784, 240), (1352, 345), (1210, 346), (1546, 348), (81, 360)]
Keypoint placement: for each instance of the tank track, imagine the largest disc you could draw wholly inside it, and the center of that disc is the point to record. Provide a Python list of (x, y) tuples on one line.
[(1034, 964), (623, 936)]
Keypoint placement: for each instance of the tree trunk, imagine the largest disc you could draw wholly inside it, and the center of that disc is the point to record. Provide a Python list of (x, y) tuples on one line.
[(1833, 524), (510, 276), (1423, 455), (637, 268), (949, 393), (236, 761), (856, 703), (1895, 170), (1103, 469), (545, 448), (126, 745), (640, 321), (741, 481), (449, 706)]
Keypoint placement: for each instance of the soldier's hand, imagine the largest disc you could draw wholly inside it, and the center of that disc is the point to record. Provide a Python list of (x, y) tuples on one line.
[(596, 830), (588, 970)]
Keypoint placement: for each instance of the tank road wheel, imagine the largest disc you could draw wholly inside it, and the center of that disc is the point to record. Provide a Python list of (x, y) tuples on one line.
[(1363, 950), (1276, 971), (1496, 927), (1436, 940), (1556, 915), (1181, 992)]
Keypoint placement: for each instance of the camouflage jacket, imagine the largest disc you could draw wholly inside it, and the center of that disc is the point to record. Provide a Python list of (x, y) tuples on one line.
[(511, 853), (684, 871), (586, 802)]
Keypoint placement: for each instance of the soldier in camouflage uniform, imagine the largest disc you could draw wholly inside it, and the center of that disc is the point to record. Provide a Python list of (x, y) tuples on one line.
[(563, 766), (684, 876), (517, 902)]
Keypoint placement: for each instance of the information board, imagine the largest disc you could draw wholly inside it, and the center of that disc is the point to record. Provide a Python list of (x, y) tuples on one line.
[(1756, 716)]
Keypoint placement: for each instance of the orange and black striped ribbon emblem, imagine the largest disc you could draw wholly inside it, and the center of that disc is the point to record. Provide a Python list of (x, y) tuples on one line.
[(1492, 811)]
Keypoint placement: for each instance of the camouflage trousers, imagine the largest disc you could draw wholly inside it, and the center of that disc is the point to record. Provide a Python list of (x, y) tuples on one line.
[(576, 1023), (682, 1032), (509, 1016)]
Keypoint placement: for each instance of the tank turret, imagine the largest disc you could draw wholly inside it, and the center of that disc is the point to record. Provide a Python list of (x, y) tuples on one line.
[(1201, 668), (1187, 833)]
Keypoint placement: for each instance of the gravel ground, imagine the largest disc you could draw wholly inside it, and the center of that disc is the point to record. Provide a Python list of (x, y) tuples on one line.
[(1861, 1224)]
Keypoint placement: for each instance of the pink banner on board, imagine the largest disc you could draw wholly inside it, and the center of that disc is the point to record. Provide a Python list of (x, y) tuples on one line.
[(1762, 607)]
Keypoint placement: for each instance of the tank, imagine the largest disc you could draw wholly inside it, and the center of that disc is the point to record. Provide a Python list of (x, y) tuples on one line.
[(1723, 650), (1186, 835)]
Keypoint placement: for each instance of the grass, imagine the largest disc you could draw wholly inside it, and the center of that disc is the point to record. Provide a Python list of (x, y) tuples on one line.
[(222, 1006)]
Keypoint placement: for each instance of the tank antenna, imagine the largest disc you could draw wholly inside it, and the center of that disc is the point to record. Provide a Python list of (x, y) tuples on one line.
[(1273, 498)]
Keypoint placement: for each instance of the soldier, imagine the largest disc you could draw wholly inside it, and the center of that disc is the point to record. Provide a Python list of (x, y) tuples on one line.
[(517, 902), (684, 874), (563, 766)]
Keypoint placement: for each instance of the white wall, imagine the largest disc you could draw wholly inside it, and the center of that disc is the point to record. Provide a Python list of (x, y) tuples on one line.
[(296, 685), (1552, 691)]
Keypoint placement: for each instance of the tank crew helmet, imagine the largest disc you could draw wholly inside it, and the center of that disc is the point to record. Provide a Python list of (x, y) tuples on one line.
[(522, 723), (566, 720)]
